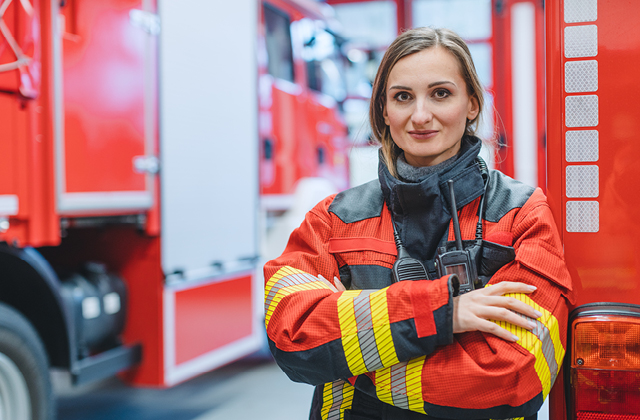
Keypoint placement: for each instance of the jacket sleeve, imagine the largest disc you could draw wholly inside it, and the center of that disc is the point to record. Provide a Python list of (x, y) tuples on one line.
[(480, 375), (317, 335)]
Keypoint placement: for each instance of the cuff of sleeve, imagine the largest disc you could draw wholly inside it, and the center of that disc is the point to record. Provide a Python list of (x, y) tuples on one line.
[(433, 307)]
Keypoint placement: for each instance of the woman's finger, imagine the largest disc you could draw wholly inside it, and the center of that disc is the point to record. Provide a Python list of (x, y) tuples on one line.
[(505, 287), (513, 304), (506, 315), (498, 331), (327, 282), (339, 284)]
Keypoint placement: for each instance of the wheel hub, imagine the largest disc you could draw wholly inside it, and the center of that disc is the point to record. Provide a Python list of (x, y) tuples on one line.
[(15, 403)]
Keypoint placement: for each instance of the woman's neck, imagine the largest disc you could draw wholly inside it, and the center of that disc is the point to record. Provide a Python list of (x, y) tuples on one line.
[(411, 173)]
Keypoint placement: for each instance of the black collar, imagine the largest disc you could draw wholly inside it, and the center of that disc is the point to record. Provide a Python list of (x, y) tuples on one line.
[(421, 209)]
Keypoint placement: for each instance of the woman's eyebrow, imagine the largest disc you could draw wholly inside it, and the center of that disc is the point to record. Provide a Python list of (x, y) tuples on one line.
[(442, 82), (438, 83)]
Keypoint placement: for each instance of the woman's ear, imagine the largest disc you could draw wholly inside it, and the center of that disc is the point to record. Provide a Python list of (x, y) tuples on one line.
[(474, 108), (385, 115)]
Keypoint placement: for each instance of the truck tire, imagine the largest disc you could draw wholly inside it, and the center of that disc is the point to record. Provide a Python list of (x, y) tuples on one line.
[(25, 386)]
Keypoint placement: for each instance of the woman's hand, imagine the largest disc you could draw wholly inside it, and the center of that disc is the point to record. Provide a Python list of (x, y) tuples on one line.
[(472, 311), (337, 285)]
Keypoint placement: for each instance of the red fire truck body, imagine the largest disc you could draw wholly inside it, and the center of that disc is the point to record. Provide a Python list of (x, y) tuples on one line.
[(286, 95), (129, 242), (592, 125)]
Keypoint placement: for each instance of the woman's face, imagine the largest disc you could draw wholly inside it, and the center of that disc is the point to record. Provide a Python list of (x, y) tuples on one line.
[(428, 106)]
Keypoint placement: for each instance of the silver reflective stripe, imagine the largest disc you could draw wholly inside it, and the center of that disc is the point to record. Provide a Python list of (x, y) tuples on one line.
[(338, 397), (548, 349), (581, 76), (583, 216), (582, 146), (582, 181), (369, 350), (581, 111), (290, 280), (580, 11), (399, 385), (366, 335), (581, 41)]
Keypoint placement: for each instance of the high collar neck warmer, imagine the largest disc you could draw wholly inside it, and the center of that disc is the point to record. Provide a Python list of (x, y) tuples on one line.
[(409, 173), (420, 210)]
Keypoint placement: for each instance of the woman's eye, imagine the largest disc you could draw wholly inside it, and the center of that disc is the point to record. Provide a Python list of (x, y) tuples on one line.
[(402, 96), (441, 93)]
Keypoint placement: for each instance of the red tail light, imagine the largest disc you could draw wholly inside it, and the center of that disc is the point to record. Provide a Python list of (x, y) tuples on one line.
[(605, 367)]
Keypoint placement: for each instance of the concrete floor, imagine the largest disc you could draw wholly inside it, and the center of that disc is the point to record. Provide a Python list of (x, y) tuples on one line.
[(245, 390)]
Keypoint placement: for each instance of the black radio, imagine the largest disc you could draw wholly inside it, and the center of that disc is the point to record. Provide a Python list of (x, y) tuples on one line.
[(461, 260), (457, 257)]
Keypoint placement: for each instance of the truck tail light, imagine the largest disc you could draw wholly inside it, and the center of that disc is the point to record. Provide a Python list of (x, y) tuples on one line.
[(605, 368)]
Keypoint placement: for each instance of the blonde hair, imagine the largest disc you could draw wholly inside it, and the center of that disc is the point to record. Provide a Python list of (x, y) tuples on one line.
[(411, 42)]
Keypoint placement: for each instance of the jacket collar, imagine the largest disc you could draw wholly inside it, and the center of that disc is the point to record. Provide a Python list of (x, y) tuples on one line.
[(468, 182), (421, 210)]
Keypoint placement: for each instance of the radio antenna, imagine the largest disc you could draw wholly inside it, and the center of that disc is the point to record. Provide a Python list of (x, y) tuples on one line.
[(454, 216)]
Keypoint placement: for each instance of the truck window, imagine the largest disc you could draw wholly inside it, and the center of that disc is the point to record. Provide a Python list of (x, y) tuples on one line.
[(325, 64), (279, 51)]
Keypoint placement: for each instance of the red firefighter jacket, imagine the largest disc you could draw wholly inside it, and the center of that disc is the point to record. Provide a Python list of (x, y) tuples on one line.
[(387, 351)]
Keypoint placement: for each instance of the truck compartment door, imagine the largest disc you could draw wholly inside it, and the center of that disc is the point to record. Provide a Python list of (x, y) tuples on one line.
[(106, 147)]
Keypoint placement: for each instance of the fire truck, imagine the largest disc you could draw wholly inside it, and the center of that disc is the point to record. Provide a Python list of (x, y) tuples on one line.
[(576, 139), (138, 168), (592, 118)]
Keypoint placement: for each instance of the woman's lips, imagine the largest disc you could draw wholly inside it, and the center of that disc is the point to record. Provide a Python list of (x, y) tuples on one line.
[(422, 134)]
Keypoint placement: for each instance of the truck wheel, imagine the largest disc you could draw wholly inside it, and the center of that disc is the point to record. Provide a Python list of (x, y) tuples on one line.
[(25, 386)]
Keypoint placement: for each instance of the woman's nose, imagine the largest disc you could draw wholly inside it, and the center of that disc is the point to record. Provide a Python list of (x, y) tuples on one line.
[(422, 115)]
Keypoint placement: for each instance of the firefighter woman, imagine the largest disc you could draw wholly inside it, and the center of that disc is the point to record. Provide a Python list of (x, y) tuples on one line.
[(378, 346)]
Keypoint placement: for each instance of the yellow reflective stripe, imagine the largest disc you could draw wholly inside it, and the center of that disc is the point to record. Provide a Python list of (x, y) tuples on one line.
[(383, 385), (386, 388), (554, 329), (533, 344), (283, 272), (281, 276), (347, 395), (414, 384), (285, 291), (349, 330), (551, 322), (336, 398), (382, 327), (327, 400)]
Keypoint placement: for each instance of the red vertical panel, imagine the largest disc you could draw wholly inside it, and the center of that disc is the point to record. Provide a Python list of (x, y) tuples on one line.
[(104, 79), (13, 120), (284, 136), (503, 85), (212, 316), (555, 111), (605, 264), (540, 82)]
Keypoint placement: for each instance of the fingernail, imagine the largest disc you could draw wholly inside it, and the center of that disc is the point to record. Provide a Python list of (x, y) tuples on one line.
[(532, 324), (538, 314), (532, 287), (515, 337)]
